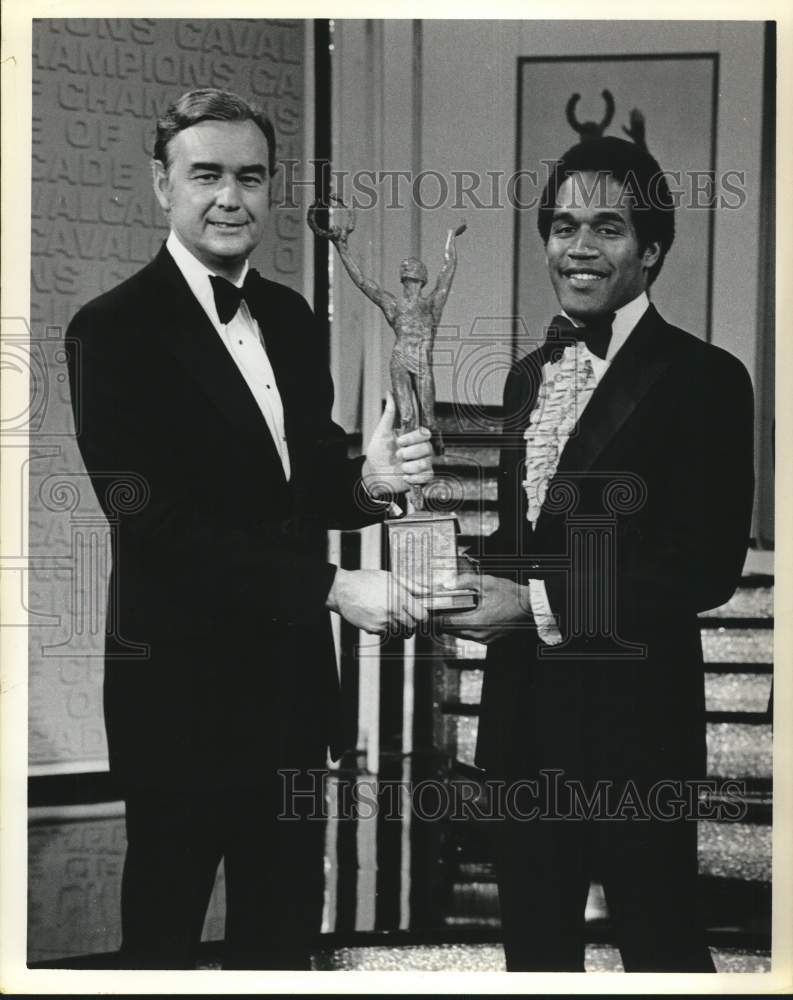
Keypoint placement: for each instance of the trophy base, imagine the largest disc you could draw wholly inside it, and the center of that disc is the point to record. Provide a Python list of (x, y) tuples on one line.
[(423, 551), (452, 600)]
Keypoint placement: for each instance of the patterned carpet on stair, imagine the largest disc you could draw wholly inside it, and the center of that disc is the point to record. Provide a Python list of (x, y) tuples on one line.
[(490, 958)]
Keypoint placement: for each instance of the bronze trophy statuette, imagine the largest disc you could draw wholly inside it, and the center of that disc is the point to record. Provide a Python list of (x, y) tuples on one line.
[(423, 544)]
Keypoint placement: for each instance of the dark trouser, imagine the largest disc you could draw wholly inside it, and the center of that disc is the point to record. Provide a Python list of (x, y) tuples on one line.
[(274, 878), (649, 873)]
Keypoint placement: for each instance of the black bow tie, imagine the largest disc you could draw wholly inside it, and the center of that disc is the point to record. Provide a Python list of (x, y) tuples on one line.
[(595, 334), (229, 296)]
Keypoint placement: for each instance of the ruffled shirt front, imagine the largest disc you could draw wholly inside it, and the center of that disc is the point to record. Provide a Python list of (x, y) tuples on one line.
[(567, 386)]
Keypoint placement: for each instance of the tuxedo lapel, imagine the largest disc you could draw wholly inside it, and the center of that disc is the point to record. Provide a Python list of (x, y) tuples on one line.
[(635, 368), (184, 329), (284, 358), (277, 322)]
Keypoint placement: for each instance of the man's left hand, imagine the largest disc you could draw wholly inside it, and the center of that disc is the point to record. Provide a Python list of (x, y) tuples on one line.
[(503, 607), (393, 464)]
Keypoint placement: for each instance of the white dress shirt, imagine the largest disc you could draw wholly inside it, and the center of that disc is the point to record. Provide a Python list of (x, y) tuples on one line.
[(242, 338), (624, 323)]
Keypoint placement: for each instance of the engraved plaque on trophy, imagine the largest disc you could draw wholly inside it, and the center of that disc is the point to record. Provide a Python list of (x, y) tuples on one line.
[(423, 543), (423, 548)]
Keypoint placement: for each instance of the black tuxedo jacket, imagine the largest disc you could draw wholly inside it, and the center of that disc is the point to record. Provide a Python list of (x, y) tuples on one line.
[(646, 523), (219, 569)]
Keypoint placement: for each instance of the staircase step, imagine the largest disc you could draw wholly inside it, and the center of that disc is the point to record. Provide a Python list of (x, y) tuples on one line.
[(459, 663), (756, 579), (470, 686), (747, 959), (473, 661), (478, 899), (748, 802), (727, 652), (738, 908), (463, 732), (720, 623), (456, 650), (750, 607), (759, 561), (478, 503), (463, 924), (739, 851), (760, 718), (747, 602), (737, 692), (472, 843), (474, 486), (723, 693), (467, 418), (454, 706), (735, 750), (724, 669), (736, 904), (463, 457), (478, 522), (721, 645), (474, 872)]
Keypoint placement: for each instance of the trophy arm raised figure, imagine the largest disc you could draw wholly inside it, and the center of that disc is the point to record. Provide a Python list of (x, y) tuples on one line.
[(446, 276), (413, 317), (423, 543), (339, 236)]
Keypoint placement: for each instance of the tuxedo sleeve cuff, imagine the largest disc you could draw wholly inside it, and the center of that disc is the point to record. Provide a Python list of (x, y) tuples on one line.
[(389, 503), (544, 618)]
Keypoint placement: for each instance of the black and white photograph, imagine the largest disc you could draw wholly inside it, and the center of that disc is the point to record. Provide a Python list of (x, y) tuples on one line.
[(391, 501)]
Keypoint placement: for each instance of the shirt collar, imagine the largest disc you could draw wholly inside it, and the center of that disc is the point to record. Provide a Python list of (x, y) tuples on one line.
[(197, 274), (625, 320)]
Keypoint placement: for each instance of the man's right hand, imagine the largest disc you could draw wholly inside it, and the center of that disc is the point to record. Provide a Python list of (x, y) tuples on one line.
[(503, 607), (374, 600)]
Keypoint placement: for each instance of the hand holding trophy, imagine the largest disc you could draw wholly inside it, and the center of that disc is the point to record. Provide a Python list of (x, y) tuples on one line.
[(422, 545)]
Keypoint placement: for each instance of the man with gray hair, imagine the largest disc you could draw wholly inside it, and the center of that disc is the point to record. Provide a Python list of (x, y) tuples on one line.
[(209, 383)]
